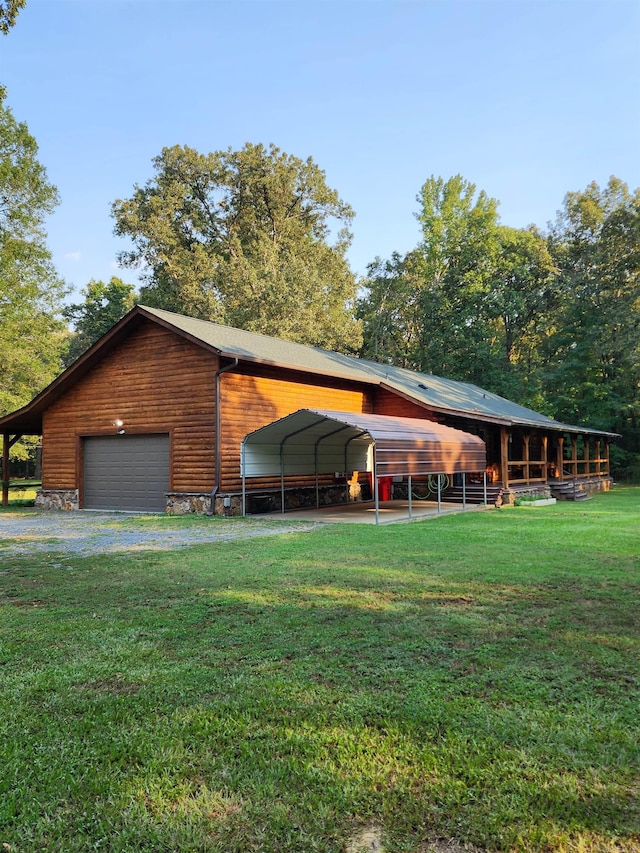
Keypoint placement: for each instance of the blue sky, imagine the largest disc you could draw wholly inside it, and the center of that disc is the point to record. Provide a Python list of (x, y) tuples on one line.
[(528, 100)]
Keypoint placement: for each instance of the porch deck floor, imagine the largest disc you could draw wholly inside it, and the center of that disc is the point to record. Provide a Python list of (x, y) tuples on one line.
[(364, 512)]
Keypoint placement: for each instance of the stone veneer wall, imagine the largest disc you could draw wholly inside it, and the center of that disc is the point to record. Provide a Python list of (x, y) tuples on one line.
[(65, 499), (599, 484), (186, 503), (295, 498), (199, 503)]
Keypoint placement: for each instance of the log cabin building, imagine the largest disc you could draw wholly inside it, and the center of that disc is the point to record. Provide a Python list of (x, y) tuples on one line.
[(170, 413)]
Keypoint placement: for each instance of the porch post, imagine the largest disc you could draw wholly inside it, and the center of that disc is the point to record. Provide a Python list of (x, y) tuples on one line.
[(464, 490), (587, 449), (5, 469), (525, 440), (410, 504), (560, 456), (545, 456), (504, 457)]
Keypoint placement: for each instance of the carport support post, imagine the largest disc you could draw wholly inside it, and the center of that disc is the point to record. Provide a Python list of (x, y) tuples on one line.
[(464, 490), (244, 481), (409, 495), (376, 495), (439, 491), (484, 484), (282, 475)]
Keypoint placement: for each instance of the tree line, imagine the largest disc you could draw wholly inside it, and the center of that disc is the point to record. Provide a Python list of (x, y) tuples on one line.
[(256, 238), (548, 319)]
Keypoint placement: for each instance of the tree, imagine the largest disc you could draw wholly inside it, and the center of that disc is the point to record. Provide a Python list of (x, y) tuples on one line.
[(428, 303), (518, 305), (593, 353), (103, 306), (470, 302), (9, 12), (244, 238), (31, 329), (458, 248), (390, 310)]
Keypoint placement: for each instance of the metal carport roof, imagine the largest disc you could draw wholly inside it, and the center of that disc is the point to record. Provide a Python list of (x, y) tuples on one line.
[(320, 441)]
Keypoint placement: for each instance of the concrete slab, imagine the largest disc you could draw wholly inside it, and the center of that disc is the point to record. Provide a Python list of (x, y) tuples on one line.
[(364, 512)]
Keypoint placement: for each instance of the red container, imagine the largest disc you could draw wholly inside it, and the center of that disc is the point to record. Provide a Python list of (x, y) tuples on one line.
[(384, 488)]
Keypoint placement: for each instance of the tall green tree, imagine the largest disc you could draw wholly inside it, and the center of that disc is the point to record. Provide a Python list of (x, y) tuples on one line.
[(253, 238), (593, 352), (9, 12), (517, 306), (458, 249), (104, 304), (32, 333), (470, 302), (428, 303), (391, 311)]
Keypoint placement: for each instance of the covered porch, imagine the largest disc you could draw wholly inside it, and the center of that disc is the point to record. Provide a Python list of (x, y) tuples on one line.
[(564, 462)]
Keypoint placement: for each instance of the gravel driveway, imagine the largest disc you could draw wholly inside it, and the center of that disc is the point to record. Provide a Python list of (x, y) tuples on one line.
[(31, 530)]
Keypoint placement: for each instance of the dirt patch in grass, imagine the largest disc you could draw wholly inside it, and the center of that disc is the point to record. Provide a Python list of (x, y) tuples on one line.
[(370, 840), (38, 531)]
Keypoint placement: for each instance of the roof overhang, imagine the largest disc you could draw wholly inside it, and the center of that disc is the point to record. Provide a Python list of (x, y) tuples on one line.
[(320, 441), (28, 419)]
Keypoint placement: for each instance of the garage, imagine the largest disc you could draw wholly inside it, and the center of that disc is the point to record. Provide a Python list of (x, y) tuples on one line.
[(126, 472)]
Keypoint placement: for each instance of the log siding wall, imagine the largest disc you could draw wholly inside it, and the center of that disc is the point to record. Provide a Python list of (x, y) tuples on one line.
[(155, 381), (250, 401), (393, 405)]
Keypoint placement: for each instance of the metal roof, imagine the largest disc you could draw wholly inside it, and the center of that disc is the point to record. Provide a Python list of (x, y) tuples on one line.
[(321, 441), (432, 392)]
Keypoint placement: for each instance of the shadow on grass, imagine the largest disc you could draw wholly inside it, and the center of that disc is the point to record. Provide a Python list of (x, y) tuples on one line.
[(275, 694)]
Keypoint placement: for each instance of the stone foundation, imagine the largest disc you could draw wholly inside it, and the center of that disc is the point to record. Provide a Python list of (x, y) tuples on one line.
[(599, 484), (228, 505), (62, 499), (296, 498), (510, 496), (199, 503), (188, 503)]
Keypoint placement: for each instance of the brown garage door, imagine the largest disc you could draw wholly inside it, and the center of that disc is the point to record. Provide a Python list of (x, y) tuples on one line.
[(126, 472)]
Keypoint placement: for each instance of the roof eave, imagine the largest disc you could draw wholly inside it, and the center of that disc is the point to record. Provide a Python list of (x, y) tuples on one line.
[(28, 419), (555, 426), (445, 410)]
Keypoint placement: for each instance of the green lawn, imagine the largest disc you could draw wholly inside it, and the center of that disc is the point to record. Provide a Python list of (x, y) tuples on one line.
[(475, 677), (22, 492)]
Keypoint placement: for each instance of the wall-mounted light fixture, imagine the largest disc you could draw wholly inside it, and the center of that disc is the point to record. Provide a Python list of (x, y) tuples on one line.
[(119, 425)]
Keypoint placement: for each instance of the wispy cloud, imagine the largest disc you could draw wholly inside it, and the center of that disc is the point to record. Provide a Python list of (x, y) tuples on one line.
[(72, 256)]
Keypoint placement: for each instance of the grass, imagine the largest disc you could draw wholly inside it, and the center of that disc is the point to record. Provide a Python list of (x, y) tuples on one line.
[(476, 678), (22, 492)]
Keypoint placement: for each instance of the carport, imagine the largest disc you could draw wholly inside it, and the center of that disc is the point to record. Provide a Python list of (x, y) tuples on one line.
[(317, 441)]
